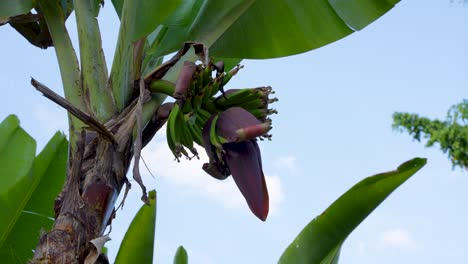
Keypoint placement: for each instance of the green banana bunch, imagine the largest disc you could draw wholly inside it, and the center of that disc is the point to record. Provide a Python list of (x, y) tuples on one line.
[(254, 100), (227, 124), (179, 135), (195, 93)]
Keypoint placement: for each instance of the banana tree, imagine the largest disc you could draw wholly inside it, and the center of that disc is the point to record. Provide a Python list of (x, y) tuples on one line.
[(113, 115)]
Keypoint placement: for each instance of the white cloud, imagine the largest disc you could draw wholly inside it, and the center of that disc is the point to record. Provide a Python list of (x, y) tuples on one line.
[(286, 162), (398, 237), (275, 191), (190, 176)]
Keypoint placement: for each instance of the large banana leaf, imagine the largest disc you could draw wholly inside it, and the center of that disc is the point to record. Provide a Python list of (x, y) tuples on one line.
[(9, 8), (269, 28), (138, 243), (17, 151), (236, 28), (28, 188), (320, 241), (147, 15), (180, 22), (200, 20)]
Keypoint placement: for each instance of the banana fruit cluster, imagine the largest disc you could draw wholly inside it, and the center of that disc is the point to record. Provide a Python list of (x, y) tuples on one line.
[(199, 93), (226, 123)]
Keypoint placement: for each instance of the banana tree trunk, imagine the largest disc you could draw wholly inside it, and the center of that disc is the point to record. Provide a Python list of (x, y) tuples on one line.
[(95, 175), (102, 129), (97, 168)]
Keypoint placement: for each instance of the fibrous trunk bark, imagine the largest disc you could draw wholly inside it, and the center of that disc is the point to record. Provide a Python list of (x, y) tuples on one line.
[(95, 175)]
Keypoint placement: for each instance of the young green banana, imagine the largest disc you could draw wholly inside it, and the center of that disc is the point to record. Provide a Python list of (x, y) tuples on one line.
[(196, 134), (231, 74), (233, 98), (172, 135), (186, 138)]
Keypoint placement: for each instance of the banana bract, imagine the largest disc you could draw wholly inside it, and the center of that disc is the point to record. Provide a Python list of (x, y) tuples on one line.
[(226, 123), (239, 156)]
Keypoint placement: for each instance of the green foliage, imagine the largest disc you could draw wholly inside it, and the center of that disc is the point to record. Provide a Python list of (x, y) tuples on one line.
[(451, 133), (29, 187), (250, 29), (315, 22), (137, 245), (320, 241), (359, 13), (147, 14), (138, 19), (54, 14), (17, 158), (181, 256), (9, 8)]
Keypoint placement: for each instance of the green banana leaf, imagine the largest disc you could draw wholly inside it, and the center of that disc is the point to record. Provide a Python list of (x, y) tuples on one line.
[(181, 256), (237, 29), (309, 24), (359, 13), (138, 243), (9, 8), (150, 14), (320, 241), (146, 15), (17, 158), (138, 19), (180, 21), (28, 189), (200, 20), (256, 29)]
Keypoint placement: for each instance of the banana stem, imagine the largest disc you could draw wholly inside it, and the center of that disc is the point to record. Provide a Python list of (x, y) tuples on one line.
[(68, 63), (123, 71), (149, 109), (162, 86), (93, 63), (150, 61)]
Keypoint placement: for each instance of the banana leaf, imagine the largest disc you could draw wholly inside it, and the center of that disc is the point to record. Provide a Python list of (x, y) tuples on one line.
[(181, 256), (9, 8), (258, 29), (138, 243), (29, 187), (320, 241)]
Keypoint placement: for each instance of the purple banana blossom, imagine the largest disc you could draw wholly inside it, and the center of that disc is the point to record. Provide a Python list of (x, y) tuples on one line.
[(185, 79), (239, 155)]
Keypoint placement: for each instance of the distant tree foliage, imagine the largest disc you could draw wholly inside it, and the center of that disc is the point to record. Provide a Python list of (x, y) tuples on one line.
[(464, 2), (451, 134)]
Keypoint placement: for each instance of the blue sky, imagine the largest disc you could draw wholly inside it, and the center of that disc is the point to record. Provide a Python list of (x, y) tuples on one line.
[(333, 129)]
